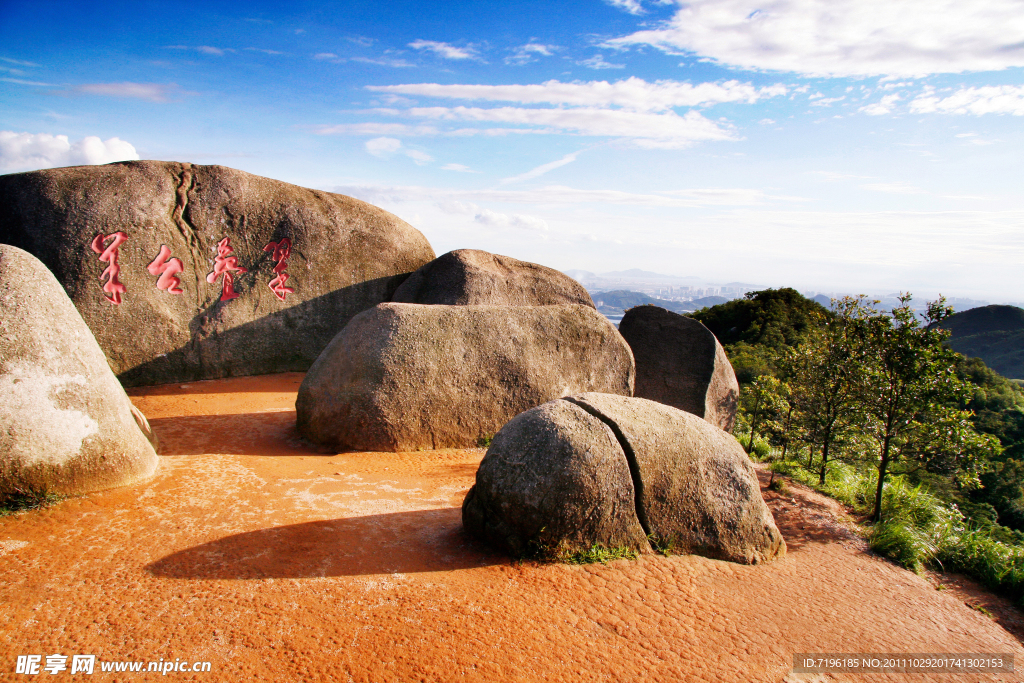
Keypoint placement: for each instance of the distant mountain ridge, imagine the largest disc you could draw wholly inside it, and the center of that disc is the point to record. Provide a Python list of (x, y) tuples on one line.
[(612, 303), (994, 334)]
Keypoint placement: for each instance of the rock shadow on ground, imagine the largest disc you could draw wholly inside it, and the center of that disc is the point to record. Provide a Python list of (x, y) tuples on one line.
[(399, 542)]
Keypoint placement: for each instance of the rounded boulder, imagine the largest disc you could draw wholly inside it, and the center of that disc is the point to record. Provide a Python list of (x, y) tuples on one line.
[(471, 277), (69, 427), (187, 272)]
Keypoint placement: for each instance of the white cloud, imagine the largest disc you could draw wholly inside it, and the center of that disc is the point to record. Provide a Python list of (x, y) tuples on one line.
[(631, 93), (205, 49), (894, 188), (460, 168), (384, 61), (667, 130), (31, 151), (385, 148), (444, 50), (375, 129), (516, 220), (466, 201), (542, 169), (883, 106), (597, 62), (861, 38), (264, 51), (992, 99), (631, 6), (525, 54), (826, 101), (152, 92)]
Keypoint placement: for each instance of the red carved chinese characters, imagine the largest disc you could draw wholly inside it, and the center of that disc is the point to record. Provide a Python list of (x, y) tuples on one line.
[(225, 264), (282, 250), (113, 288), (167, 268)]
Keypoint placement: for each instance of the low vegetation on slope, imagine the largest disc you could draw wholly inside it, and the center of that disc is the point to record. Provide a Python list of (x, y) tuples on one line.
[(874, 408)]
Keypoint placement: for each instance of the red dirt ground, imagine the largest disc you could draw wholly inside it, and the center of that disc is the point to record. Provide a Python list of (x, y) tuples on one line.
[(272, 561)]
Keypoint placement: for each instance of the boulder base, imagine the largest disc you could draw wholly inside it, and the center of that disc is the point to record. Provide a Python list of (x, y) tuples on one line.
[(68, 426), (554, 478), (680, 363), (187, 272), (403, 377), (470, 277)]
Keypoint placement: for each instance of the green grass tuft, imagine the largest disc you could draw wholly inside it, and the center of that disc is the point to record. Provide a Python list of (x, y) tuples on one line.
[(27, 499)]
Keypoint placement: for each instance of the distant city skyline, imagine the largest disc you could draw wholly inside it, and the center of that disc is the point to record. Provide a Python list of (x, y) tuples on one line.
[(870, 146)]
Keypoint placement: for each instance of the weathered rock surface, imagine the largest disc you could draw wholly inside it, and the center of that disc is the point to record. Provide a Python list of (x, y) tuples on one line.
[(553, 478), (680, 363), (471, 277), (403, 377), (698, 491), (68, 426), (186, 272)]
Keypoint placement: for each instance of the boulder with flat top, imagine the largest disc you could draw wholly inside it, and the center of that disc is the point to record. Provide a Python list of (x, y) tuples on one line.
[(402, 377)]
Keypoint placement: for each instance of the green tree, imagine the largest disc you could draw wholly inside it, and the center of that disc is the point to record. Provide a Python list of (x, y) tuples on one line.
[(911, 397), (827, 374), (762, 401)]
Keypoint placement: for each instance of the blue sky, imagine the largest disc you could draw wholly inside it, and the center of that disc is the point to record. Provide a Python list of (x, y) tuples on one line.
[(868, 146)]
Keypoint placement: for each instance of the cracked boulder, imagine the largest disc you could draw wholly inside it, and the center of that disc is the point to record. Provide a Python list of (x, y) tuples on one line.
[(403, 377), (187, 272), (553, 479), (471, 277), (680, 363), (68, 426)]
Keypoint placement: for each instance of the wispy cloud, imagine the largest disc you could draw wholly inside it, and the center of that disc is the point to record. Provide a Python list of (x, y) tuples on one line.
[(384, 61), (993, 99), (597, 62), (385, 148), (204, 49), (465, 201), (524, 54), (459, 168), (18, 62), (444, 50), (828, 38), (375, 129), (264, 51), (21, 81), (883, 106), (151, 92), (32, 151), (631, 93), (631, 6), (666, 130), (542, 169), (894, 188)]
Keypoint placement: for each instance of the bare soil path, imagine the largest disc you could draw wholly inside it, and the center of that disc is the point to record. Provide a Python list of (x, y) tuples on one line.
[(274, 562)]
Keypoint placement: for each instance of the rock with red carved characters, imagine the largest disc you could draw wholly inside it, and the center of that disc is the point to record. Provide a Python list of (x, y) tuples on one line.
[(68, 426), (187, 272)]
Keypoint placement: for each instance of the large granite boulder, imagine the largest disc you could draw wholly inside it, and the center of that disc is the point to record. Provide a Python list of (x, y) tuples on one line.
[(68, 426), (553, 479), (186, 272), (680, 363), (403, 377), (470, 277)]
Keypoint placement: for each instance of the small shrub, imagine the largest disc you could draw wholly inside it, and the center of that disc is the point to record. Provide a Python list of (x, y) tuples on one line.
[(901, 542), (779, 486), (596, 553), (484, 441), (27, 499), (762, 449)]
